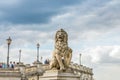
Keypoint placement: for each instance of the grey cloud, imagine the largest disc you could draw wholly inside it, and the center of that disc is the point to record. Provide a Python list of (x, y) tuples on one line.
[(106, 16), (32, 12), (98, 15)]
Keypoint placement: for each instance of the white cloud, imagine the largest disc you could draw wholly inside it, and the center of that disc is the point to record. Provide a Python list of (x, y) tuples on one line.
[(115, 53), (103, 54)]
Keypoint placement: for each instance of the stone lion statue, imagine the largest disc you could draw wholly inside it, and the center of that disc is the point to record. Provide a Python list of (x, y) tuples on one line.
[(62, 54)]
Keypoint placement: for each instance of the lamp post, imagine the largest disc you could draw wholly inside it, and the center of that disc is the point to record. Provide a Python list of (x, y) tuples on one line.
[(38, 45), (80, 57), (9, 40), (19, 56)]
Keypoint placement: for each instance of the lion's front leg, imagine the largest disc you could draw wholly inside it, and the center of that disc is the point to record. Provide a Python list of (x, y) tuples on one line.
[(54, 63), (59, 59), (67, 57)]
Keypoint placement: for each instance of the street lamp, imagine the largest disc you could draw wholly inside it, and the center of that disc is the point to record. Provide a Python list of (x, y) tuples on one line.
[(9, 40), (38, 45), (80, 57), (19, 56)]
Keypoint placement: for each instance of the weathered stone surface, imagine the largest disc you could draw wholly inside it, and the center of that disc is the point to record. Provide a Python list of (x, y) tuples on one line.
[(62, 54), (58, 75), (10, 74)]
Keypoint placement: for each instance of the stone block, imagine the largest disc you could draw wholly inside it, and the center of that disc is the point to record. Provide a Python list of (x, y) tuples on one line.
[(58, 75)]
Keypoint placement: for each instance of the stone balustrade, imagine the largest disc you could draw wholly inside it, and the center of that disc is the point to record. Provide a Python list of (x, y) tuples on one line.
[(30, 69), (31, 72), (81, 68), (10, 72)]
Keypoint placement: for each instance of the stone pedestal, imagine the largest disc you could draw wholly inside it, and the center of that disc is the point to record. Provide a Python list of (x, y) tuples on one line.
[(58, 75)]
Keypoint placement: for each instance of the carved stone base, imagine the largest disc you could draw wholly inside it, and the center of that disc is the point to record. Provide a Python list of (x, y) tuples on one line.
[(58, 75)]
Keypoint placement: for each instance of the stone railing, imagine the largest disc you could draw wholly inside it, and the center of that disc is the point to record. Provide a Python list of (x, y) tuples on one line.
[(81, 69), (30, 69), (75, 67), (45, 67), (10, 72)]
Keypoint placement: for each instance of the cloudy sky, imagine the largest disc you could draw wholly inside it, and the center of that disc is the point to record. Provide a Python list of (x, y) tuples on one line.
[(93, 27)]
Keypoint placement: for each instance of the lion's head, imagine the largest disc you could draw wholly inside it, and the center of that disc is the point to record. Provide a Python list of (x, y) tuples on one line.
[(61, 36)]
